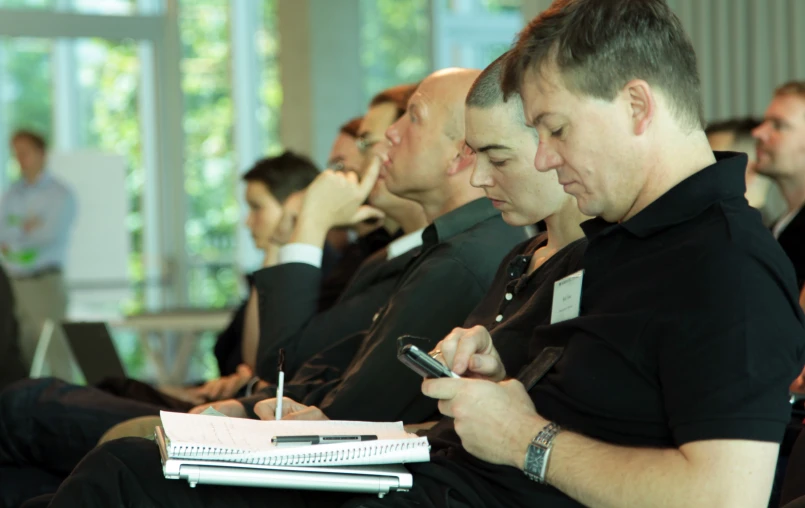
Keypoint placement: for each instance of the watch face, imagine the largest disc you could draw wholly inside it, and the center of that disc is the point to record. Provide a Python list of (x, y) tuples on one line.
[(534, 462)]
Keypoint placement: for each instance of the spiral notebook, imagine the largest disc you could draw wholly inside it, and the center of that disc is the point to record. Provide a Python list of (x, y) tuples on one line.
[(248, 441), (232, 451)]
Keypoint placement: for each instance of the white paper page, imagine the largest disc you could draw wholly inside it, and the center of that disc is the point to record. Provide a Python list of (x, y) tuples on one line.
[(255, 435)]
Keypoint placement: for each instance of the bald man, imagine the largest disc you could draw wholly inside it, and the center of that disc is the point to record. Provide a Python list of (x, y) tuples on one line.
[(460, 253)]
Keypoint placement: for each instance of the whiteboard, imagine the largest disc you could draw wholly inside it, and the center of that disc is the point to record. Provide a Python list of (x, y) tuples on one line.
[(99, 246)]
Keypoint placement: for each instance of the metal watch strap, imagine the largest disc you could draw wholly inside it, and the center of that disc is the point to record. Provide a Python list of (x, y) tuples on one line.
[(539, 450)]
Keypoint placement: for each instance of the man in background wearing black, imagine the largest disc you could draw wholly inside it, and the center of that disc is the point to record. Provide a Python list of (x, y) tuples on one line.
[(781, 156), (761, 191)]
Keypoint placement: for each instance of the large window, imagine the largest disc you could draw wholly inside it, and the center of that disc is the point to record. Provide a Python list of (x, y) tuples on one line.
[(395, 43), (115, 7), (25, 93), (212, 167), (210, 171), (472, 33)]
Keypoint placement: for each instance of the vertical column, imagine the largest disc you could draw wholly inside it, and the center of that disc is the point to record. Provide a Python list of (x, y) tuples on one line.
[(780, 42), (169, 141), (760, 67), (4, 127), (147, 105), (65, 90), (246, 71), (65, 95), (797, 40), (320, 72), (738, 57)]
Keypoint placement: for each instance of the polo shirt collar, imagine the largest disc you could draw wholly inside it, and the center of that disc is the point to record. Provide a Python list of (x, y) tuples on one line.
[(717, 182), (457, 221)]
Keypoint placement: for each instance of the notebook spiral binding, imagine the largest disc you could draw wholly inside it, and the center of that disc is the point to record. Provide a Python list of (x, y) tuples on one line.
[(306, 458)]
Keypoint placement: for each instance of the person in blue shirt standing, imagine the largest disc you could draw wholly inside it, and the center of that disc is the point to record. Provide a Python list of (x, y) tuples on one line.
[(36, 215)]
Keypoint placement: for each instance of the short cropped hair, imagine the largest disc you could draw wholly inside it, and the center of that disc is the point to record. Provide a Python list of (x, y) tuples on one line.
[(487, 90), (600, 45), (397, 95), (284, 174), (351, 128), (791, 88), (37, 139)]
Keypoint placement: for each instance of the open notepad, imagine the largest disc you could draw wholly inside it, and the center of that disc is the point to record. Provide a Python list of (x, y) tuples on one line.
[(243, 441)]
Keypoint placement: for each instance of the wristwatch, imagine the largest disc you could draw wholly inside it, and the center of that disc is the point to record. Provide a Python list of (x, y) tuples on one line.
[(536, 457)]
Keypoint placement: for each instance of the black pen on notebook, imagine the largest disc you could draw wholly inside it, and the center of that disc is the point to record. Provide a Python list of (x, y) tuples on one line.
[(314, 440), (280, 383)]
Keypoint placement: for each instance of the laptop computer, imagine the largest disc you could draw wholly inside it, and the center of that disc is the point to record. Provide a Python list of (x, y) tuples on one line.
[(378, 480), (94, 350)]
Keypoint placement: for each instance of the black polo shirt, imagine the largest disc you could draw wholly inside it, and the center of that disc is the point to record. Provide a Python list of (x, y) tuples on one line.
[(689, 329)]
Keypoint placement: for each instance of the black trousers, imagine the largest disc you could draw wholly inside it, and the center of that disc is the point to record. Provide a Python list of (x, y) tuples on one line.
[(127, 473), (794, 484), (47, 426)]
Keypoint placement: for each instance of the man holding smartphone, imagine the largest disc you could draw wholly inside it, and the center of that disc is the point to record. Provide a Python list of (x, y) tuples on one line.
[(667, 392)]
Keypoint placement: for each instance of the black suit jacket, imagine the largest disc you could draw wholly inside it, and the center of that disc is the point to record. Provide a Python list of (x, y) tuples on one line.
[(288, 297), (792, 240), (359, 377)]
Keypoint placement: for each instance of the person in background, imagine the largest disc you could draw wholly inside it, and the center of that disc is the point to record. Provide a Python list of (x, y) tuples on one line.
[(781, 157), (36, 215), (761, 191), (59, 413), (372, 235), (344, 156)]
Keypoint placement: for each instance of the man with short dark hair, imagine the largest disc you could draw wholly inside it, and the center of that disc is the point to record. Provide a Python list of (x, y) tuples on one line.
[(781, 157), (36, 215)]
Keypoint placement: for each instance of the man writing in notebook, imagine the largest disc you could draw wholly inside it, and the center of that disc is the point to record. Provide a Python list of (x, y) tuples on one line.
[(650, 402), (518, 299), (461, 251), (64, 410)]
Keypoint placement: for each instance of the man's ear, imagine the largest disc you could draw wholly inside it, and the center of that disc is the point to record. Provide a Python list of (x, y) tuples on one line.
[(464, 159), (642, 105)]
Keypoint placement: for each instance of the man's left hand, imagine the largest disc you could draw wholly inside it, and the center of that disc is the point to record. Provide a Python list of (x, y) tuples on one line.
[(495, 421)]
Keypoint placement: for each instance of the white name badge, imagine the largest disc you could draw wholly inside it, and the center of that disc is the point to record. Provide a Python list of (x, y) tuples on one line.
[(567, 298)]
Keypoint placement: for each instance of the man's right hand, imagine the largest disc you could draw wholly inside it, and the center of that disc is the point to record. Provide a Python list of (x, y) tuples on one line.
[(336, 199), (469, 352), (291, 410), (229, 407)]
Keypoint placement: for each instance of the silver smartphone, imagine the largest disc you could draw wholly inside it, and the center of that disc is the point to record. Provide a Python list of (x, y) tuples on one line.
[(422, 363)]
